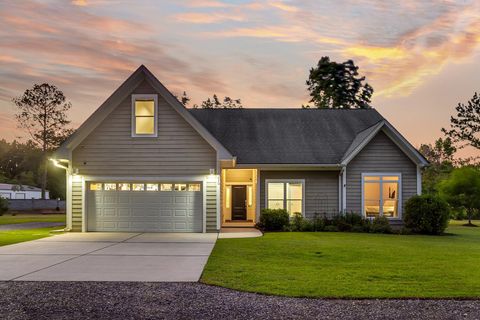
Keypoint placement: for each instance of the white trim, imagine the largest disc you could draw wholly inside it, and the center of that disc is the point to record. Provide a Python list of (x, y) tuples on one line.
[(257, 197), (344, 190), (204, 204), (362, 145), (153, 97), (400, 195), (419, 180), (84, 206), (287, 166), (302, 181), (139, 178), (339, 193), (218, 202), (69, 200)]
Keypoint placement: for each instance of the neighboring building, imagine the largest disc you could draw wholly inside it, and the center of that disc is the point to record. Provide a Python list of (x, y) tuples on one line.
[(14, 191), (143, 162)]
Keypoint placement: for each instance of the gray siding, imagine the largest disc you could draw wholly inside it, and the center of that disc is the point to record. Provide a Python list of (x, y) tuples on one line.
[(321, 189), (77, 206), (111, 151), (211, 206), (380, 155)]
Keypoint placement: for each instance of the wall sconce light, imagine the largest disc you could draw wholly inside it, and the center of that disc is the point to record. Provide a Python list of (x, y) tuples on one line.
[(228, 196)]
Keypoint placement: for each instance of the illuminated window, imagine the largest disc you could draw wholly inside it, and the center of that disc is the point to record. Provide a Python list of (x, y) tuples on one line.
[(144, 119), (285, 195), (180, 187), (152, 187), (250, 195), (124, 186), (95, 186), (194, 187), (166, 187), (110, 186), (138, 187), (381, 195)]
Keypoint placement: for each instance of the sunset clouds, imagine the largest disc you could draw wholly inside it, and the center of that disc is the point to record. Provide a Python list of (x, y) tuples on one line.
[(259, 51)]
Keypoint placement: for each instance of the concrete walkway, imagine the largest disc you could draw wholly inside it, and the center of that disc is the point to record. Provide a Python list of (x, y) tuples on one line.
[(154, 257), (30, 225), (233, 233)]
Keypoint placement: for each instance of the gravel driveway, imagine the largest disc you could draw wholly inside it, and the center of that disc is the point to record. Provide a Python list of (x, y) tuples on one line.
[(127, 300)]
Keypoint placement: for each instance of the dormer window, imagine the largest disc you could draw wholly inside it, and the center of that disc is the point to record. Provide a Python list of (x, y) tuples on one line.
[(144, 115)]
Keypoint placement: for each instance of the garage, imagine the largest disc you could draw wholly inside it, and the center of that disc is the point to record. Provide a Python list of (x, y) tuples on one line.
[(144, 206)]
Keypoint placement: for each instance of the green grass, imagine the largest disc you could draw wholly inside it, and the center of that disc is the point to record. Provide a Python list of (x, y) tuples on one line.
[(22, 218), (16, 236), (353, 265)]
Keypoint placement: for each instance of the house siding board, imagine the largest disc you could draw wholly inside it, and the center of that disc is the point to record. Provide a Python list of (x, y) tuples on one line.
[(110, 150), (77, 206), (381, 154), (211, 206), (321, 189)]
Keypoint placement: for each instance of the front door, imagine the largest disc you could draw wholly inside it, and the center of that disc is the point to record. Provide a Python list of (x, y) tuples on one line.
[(239, 202)]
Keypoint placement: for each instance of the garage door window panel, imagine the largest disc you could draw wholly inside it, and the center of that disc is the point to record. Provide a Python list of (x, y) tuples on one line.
[(95, 186), (124, 186)]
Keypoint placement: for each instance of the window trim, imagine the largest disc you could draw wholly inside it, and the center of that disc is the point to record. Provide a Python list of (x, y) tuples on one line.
[(284, 181), (153, 97), (400, 192)]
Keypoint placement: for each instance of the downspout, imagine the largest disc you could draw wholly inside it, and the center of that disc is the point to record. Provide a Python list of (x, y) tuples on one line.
[(343, 173)]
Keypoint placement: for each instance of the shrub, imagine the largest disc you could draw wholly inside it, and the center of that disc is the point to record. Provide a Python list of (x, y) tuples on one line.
[(380, 225), (343, 226), (427, 214), (318, 223), (354, 219), (297, 222), (330, 228), (3, 206), (274, 219)]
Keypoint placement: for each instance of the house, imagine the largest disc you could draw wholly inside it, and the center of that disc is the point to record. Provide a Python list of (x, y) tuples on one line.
[(14, 191), (143, 162)]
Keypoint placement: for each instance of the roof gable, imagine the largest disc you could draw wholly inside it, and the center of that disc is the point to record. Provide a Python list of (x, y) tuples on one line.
[(141, 74)]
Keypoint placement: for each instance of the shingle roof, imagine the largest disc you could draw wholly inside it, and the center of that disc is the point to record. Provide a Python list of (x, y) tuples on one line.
[(286, 136)]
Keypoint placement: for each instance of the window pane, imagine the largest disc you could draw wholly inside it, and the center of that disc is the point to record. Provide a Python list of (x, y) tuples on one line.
[(275, 191), (180, 187), (390, 199), (138, 187), (390, 178), (144, 108), (374, 178), (144, 125), (371, 198), (124, 186), (194, 187), (294, 191), (152, 187), (275, 204), (110, 186), (166, 187), (95, 186), (294, 206)]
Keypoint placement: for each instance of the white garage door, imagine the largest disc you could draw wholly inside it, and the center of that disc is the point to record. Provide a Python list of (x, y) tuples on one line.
[(144, 206)]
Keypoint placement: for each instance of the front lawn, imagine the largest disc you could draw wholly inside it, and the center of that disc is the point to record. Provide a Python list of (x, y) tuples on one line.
[(16, 236), (22, 218), (354, 265)]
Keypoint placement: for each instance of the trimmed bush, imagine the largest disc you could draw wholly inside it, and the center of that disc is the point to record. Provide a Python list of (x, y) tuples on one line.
[(380, 225), (274, 219), (428, 214)]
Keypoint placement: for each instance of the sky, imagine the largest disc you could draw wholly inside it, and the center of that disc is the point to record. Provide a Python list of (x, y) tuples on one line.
[(421, 57)]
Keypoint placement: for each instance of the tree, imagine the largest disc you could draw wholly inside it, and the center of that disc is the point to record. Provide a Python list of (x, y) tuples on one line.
[(441, 158), (465, 127), (215, 103), (43, 114), (338, 86), (462, 190), (184, 99)]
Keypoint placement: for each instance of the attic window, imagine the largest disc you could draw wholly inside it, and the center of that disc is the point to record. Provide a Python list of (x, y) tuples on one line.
[(144, 115)]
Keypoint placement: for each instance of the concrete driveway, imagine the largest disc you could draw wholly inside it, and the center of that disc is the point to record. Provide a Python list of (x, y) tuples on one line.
[(108, 257)]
